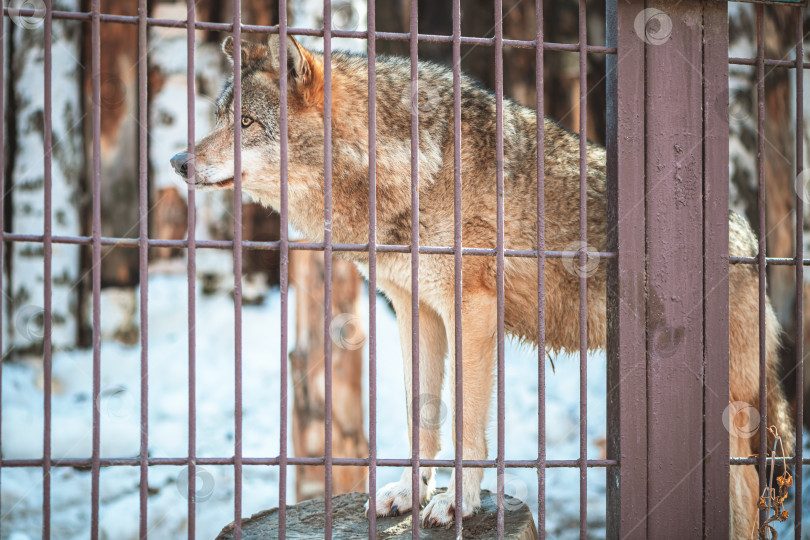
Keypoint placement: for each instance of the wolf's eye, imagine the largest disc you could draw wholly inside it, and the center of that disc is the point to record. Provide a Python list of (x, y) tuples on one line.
[(246, 121)]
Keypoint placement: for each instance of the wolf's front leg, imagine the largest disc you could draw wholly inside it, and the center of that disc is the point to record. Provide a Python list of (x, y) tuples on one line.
[(479, 326), (396, 497)]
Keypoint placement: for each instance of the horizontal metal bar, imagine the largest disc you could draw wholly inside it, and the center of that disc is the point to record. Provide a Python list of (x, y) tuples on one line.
[(302, 246), (768, 62), (777, 261), (755, 460), (259, 29), (345, 462)]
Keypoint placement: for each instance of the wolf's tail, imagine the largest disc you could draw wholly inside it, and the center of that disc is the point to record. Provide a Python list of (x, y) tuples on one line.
[(778, 408), (744, 345)]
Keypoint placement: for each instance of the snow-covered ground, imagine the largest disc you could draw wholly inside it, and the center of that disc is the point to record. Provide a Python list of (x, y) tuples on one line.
[(22, 422)]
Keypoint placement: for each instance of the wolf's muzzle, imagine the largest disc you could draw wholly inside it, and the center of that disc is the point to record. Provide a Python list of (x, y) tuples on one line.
[(180, 164)]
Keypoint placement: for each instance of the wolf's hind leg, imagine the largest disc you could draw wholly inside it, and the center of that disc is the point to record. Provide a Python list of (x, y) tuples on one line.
[(479, 324), (396, 497)]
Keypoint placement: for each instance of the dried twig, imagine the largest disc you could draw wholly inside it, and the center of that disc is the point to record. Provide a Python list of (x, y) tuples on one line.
[(773, 498)]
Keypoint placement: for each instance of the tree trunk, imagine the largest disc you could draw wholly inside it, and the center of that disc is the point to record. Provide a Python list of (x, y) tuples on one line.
[(307, 372), (25, 194)]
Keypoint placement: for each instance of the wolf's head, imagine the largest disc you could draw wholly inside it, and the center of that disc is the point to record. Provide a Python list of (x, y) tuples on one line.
[(259, 117)]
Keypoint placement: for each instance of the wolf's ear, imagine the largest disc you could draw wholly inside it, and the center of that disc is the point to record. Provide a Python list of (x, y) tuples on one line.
[(300, 62), (251, 53)]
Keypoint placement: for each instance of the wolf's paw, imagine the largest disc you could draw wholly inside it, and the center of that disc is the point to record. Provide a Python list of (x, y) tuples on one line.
[(440, 511), (395, 498)]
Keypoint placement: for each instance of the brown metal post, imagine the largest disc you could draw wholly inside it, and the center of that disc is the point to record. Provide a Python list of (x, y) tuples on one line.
[(626, 355), (674, 227), (668, 208), (715, 265)]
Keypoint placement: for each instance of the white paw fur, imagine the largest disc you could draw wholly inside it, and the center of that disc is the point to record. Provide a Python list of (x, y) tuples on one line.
[(440, 511), (395, 498)]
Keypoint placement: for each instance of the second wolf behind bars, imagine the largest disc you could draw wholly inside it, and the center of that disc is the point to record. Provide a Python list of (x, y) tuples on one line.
[(259, 117)]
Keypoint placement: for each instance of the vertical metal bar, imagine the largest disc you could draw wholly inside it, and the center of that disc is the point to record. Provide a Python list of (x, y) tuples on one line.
[(191, 495), (143, 269), (372, 270), (143, 246), (499, 259), (716, 269), (626, 354), (541, 275), (284, 270), (762, 234), (95, 51), (47, 351), (458, 269), (415, 398), (583, 276), (237, 265), (2, 221), (797, 512), (674, 227), (327, 255)]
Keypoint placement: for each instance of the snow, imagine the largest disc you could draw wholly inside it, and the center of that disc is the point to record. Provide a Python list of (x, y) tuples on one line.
[(119, 408)]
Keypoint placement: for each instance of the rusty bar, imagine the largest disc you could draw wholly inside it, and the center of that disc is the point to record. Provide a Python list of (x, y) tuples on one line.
[(415, 397), (319, 246), (47, 248), (2, 227), (237, 267), (754, 460), (284, 273), (327, 258), (541, 277), (626, 354), (776, 261), (342, 462), (768, 62), (458, 269), (143, 268), (259, 29), (583, 275), (499, 270), (762, 234), (800, 186), (716, 269), (95, 50), (191, 281), (674, 229), (372, 270)]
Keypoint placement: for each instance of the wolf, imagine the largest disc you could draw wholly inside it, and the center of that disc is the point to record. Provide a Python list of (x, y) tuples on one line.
[(261, 69)]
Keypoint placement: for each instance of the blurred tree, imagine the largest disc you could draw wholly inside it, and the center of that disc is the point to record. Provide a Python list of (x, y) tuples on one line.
[(24, 192)]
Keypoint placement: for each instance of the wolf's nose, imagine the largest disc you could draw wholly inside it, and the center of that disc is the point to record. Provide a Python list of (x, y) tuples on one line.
[(180, 164)]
